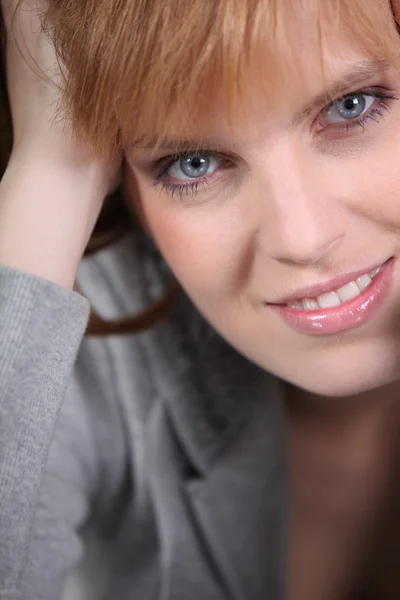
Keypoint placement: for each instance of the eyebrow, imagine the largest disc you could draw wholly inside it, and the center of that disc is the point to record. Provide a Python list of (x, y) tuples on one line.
[(346, 82), (179, 145)]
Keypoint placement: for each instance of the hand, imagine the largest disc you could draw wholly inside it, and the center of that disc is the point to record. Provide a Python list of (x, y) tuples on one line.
[(53, 189), (32, 71)]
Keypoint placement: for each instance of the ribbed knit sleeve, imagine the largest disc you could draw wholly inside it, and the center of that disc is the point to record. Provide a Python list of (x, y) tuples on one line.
[(41, 328)]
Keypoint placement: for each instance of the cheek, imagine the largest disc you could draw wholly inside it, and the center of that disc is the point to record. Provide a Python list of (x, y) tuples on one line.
[(370, 187), (207, 245)]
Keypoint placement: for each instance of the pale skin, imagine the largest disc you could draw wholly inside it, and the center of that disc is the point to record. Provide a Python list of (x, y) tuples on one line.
[(52, 191), (293, 208), (297, 205)]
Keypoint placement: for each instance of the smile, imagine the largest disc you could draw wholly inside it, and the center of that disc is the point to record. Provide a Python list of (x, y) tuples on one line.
[(340, 309), (337, 297)]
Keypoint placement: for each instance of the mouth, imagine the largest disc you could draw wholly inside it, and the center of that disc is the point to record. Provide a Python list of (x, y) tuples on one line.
[(348, 304), (338, 296)]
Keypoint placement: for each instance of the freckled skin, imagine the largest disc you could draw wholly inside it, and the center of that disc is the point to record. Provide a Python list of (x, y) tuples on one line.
[(298, 207)]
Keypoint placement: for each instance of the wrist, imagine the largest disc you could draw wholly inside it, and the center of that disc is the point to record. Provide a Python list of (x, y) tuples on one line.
[(48, 208), (62, 160)]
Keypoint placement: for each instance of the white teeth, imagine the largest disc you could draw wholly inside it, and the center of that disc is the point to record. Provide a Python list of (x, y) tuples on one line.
[(363, 282), (296, 305), (329, 300), (348, 291), (344, 294), (310, 304)]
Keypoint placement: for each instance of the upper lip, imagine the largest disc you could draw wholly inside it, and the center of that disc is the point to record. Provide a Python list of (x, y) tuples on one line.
[(313, 291)]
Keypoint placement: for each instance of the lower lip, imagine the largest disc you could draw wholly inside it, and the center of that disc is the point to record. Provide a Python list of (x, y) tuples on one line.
[(348, 315)]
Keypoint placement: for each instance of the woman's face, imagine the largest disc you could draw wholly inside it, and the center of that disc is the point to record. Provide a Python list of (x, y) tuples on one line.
[(304, 200)]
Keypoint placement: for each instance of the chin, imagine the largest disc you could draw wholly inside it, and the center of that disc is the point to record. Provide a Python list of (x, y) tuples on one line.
[(337, 370), (351, 375), (346, 387)]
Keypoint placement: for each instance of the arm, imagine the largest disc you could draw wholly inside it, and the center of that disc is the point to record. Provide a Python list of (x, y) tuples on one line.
[(53, 189), (41, 327), (71, 487), (50, 197)]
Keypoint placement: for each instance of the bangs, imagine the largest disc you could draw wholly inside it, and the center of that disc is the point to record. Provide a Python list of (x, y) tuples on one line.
[(144, 70)]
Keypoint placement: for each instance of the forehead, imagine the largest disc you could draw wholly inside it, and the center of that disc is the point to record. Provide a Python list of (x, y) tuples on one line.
[(306, 88)]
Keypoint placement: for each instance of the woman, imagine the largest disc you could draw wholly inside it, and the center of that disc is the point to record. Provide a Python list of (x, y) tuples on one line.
[(252, 454)]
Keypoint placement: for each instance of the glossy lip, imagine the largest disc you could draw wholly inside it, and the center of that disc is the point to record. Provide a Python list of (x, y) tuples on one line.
[(313, 291), (348, 315)]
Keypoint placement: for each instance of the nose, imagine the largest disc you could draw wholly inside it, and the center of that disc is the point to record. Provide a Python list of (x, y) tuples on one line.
[(302, 223)]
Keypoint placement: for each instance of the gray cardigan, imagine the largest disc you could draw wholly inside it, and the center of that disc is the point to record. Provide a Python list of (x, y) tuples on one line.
[(168, 444)]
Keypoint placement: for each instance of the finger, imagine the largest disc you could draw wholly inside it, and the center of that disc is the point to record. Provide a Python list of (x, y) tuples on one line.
[(22, 19), (28, 41), (9, 9)]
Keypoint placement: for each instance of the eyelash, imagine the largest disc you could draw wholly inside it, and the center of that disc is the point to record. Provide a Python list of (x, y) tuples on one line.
[(374, 114), (191, 188)]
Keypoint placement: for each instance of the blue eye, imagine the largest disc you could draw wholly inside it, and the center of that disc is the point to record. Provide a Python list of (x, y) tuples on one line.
[(193, 166), (184, 173), (349, 108)]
